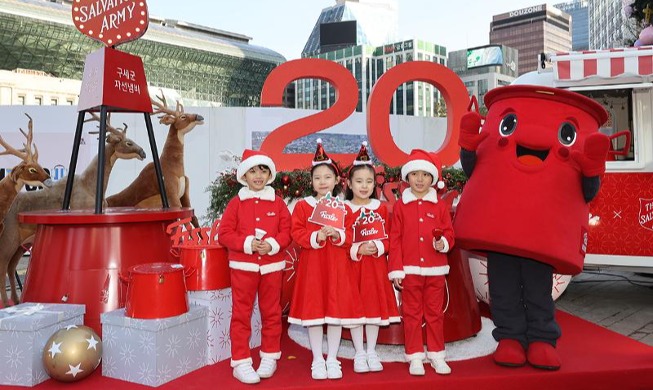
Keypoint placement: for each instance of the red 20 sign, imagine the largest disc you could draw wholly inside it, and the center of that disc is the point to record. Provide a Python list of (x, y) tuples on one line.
[(378, 109)]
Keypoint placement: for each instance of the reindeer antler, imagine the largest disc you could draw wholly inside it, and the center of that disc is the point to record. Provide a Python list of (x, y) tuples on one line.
[(26, 153), (162, 108), (113, 130)]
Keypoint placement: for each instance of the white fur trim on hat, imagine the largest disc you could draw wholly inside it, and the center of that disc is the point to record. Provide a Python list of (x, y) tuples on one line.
[(253, 161), (418, 165)]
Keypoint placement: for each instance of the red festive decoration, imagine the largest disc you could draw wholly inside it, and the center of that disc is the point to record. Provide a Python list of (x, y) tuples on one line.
[(369, 226), (285, 179), (320, 155), (329, 211), (113, 22), (363, 157)]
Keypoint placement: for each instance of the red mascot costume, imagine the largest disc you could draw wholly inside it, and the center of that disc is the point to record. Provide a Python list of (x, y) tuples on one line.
[(532, 169)]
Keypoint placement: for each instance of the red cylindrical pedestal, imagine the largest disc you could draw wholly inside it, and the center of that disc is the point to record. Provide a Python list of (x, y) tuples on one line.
[(77, 255)]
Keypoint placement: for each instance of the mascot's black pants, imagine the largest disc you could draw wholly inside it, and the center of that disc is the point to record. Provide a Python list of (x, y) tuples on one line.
[(520, 299)]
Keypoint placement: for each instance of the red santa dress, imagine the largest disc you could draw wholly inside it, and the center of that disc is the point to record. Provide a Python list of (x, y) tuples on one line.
[(371, 272), (325, 290), (252, 273), (414, 259)]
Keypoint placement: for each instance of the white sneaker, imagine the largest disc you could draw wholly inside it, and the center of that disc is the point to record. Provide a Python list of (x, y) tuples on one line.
[(440, 366), (267, 368), (318, 370), (246, 374), (374, 362), (416, 367), (360, 363), (333, 369)]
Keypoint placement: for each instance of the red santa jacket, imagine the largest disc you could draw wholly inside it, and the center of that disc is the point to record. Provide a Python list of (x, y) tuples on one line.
[(244, 214), (353, 213), (412, 249)]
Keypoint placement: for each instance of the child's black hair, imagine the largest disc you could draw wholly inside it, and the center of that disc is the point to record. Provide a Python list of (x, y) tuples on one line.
[(338, 188), (349, 194)]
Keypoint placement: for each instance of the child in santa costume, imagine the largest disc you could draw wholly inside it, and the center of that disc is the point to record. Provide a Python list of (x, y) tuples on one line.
[(369, 264), (420, 236), (255, 228), (325, 292)]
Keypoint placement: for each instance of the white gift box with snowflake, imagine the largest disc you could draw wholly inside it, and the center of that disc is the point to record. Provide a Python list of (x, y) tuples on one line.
[(24, 330), (154, 351), (218, 341)]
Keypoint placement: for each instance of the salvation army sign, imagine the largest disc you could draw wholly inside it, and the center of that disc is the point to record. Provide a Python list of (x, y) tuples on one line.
[(111, 22)]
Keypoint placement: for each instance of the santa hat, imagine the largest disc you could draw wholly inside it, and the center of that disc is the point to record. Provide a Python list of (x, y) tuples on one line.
[(251, 159), (363, 157), (421, 160), (320, 155)]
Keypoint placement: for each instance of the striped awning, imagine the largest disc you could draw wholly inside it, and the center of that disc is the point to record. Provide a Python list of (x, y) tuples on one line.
[(634, 63)]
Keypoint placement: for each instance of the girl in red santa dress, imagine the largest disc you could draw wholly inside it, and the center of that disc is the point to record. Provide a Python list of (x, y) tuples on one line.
[(418, 261), (325, 291), (255, 228), (369, 264)]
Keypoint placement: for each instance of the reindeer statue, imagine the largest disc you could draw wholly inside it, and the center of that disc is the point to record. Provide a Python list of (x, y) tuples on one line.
[(27, 172), (144, 190), (17, 235)]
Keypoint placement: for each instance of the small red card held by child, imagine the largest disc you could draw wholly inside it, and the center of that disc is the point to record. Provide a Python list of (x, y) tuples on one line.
[(369, 226), (329, 211)]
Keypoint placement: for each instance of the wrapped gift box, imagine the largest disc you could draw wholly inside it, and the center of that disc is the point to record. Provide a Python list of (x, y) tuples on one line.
[(24, 330), (218, 342), (155, 351)]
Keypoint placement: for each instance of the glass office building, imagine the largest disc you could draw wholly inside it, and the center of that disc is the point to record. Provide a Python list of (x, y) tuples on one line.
[(579, 23), (532, 30), (367, 64), (606, 24), (376, 23), (200, 63)]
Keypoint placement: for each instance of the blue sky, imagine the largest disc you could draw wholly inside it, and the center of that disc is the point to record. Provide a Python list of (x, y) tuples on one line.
[(284, 25)]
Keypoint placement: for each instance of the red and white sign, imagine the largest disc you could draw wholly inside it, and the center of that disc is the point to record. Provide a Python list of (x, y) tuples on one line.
[(369, 226), (111, 22), (329, 211), (116, 79), (646, 213)]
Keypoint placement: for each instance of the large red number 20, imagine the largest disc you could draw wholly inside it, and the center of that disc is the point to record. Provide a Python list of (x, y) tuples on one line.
[(272, 95), (378, 110)]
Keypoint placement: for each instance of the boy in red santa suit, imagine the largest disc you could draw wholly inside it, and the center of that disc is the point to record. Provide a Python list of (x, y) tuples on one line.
[(255, 228), (421, 234)]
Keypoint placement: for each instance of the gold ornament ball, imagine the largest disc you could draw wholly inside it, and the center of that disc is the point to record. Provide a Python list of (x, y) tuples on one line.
[(72, 353)]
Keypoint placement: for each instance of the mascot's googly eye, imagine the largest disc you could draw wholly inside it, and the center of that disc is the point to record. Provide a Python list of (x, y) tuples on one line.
[(567, 134), (508, 125)]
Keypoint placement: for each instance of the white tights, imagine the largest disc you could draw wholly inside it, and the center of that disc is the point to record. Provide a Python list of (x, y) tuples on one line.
[(372, 334), (315, 333)]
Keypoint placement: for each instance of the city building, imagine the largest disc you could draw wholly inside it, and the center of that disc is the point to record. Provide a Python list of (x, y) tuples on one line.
[(606, 24), (579, 23), (353, 23), (205, 66), (532, 30), (367, 64), (484, 68)]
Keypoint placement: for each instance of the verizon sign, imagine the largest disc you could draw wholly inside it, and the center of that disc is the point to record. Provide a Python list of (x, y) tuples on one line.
[(526, 11)]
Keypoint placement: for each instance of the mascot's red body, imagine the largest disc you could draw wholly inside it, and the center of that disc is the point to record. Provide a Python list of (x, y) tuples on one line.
[(532, 170)]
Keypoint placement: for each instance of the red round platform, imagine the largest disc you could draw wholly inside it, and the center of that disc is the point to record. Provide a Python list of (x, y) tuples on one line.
[(77, 255)]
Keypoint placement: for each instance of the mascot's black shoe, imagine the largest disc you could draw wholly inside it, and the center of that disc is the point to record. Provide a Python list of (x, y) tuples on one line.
[(543, 356), (509, 353)]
